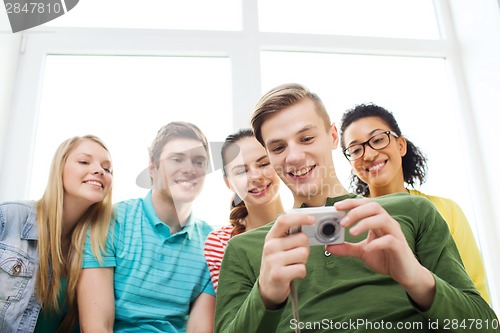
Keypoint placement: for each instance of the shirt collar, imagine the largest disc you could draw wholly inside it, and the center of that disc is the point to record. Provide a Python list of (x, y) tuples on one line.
[(30, 228), (161, 226), (332, 201)]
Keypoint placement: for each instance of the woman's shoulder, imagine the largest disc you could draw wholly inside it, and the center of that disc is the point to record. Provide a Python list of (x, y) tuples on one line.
[(218, 239), (222, 233), (17, 210), (448, 208), (434, 198), (405, 203), (18, 217), (21, 205)]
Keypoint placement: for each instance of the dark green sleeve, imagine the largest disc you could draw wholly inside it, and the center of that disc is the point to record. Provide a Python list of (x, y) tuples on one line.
[(239, 307), (456, 299)]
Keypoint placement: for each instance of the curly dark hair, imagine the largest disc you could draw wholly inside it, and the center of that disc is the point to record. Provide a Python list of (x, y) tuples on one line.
[(414, 162), (228, 153)]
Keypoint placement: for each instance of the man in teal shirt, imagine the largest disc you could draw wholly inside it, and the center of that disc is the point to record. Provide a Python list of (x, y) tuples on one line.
[(153, 276), (398, 269)]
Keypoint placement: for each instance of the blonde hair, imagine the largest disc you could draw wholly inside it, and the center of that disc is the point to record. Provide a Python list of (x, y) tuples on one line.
[(52, 263)]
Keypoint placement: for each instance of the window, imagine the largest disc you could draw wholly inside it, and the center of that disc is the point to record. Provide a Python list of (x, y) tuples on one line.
[(114, 60), (154, 14), (415, 89), (382, 18), (125, 101)]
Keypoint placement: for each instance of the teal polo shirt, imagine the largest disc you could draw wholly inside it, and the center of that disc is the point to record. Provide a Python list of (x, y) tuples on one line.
[(157, 275)]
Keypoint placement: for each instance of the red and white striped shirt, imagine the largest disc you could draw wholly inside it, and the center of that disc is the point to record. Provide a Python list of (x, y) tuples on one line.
[(215, 245)]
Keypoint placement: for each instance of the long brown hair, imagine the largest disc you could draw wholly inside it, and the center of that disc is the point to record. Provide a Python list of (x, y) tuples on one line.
[(52, 263), (238, 208)]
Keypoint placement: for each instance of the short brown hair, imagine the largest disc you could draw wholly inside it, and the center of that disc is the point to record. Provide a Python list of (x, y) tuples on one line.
[(175, 130), (280, 98)]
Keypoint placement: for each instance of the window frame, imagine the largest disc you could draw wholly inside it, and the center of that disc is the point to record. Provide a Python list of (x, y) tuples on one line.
[(243, 48)]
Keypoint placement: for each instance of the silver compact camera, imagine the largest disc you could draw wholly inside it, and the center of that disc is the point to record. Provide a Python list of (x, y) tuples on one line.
[(326, 230)]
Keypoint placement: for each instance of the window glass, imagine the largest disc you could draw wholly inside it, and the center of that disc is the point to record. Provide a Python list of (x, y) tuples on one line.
[(415, 89), (154, 14), (381, 18), (125, 100)]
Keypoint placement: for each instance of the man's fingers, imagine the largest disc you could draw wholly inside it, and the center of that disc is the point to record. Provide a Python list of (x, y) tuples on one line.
[(290, 243), (377, 224), (285, 222), (345, 249), (348, 204)]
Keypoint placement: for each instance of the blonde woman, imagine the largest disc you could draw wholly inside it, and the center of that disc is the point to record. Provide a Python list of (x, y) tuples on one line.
[(41, 242)]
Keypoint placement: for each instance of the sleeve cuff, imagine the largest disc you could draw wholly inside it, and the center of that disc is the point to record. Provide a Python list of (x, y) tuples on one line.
[(94, 263), (269, 318)]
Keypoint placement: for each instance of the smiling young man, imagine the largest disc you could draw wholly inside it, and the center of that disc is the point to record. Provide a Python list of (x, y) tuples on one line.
[(153, 277), (398, 268)]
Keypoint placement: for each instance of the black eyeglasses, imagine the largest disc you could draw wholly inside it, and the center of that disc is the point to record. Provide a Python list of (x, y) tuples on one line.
[(377, 142)]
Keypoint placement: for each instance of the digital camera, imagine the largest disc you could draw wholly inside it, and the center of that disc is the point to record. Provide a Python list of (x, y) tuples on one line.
[(326, 230)]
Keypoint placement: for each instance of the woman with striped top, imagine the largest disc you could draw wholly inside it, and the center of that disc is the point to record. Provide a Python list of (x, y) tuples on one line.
[(256, 202)]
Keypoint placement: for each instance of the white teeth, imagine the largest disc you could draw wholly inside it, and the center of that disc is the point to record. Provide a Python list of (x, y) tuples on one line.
[(186, 183), (95, 183), (376, 167), (301, 172), (257, 190)]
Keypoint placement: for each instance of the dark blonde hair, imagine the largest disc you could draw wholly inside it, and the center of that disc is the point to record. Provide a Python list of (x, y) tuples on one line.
[(52, 263), (281, 98)]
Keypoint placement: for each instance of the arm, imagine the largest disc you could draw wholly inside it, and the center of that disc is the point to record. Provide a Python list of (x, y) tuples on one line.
[(385, 250), (284, 259), (451, 295), (466, 244), (96, 302), (201, 316), (464, 238), (256, 274), (214, 252), (456, 296)]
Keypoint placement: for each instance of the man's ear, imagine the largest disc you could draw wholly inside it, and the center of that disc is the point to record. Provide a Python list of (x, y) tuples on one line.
[(228, 184), (153, 172), (402, 145), (335, 135)]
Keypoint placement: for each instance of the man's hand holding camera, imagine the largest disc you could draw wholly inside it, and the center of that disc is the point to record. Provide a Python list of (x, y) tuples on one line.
[(327, 228), (284, 258), (385, 250)]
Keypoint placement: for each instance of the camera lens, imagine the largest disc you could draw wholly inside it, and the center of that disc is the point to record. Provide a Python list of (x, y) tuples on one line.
[(328, 229)]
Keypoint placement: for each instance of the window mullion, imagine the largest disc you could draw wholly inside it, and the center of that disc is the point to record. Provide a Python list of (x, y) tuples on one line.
[(246, 66)]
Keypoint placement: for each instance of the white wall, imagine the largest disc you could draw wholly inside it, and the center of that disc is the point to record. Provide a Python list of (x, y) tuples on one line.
[(9, 47), (477, 28)]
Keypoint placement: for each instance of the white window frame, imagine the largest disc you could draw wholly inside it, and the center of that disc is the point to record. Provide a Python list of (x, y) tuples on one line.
[(243, 48)]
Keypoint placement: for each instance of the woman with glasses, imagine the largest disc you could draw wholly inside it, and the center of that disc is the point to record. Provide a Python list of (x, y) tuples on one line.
[(385, 162)]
